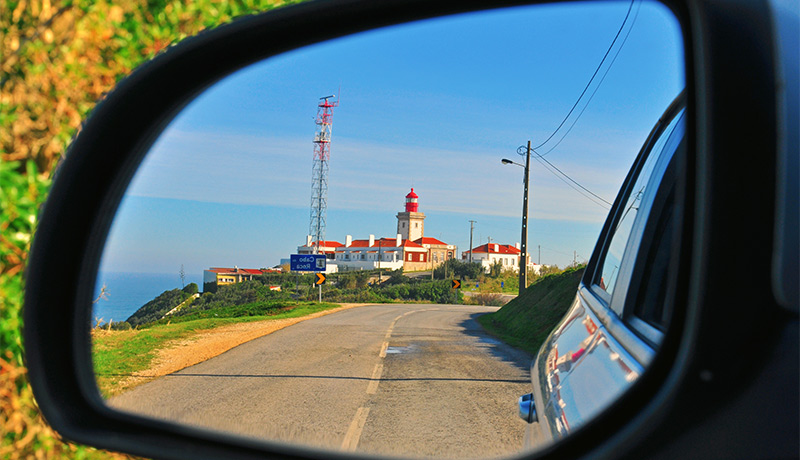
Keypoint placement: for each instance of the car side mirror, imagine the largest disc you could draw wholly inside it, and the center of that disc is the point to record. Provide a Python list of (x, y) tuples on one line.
[(125, 128)]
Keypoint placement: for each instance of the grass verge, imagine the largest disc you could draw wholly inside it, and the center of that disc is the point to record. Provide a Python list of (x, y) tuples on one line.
[(119, 354), (526, 321)]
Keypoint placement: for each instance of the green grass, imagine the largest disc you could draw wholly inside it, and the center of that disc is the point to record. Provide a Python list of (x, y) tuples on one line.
[(119, 354), (526, 321)]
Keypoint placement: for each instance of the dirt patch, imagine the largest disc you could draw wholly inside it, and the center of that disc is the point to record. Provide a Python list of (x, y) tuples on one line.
[(180, 354)]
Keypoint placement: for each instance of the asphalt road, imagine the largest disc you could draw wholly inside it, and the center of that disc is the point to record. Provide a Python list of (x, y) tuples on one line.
[(410, 380)]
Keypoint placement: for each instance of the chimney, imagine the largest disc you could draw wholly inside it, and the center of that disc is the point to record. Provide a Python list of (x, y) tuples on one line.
[(399, 240), (371, 240), (308, 241), (516, 245), (348, 241), (496, 247)]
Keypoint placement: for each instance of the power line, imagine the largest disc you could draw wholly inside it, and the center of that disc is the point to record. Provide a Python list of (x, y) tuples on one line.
[(562, 173), (600, 83), (630, 7)]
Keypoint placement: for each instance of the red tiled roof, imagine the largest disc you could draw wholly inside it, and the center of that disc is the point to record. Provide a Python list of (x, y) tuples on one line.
[(429, 240), (248, 271), (327, 244), (502, 249), (383, 242)]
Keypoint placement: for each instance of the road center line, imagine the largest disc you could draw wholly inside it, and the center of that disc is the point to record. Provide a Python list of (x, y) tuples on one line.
[(372, 388), (353, 434)]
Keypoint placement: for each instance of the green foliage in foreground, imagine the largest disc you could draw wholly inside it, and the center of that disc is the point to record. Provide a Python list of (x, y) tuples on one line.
[(20, 198), (58, 58), (117, 355), (526, 321)]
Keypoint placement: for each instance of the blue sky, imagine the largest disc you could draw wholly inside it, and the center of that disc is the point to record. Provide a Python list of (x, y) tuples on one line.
[(434, 105)]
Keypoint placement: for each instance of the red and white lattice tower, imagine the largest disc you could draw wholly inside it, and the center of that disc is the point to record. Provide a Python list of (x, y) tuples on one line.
[(319, 177)]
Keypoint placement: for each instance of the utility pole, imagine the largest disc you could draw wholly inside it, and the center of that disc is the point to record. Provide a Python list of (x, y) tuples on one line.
[(471, 228), (540, 255), (430, 259), (574, 258), (523, 256)]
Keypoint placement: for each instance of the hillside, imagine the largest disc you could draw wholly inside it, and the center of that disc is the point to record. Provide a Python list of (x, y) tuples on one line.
[(158, 307), (526, 321)]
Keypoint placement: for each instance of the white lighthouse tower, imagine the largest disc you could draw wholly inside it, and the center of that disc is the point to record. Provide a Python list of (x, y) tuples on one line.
[(411, 222)]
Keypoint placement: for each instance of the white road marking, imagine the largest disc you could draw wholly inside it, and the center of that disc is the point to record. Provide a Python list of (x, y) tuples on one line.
[(372, 388), (353, 434)]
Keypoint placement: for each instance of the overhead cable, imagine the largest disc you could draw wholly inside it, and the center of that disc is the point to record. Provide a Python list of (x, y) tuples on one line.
[(630, 7), (600, 83)]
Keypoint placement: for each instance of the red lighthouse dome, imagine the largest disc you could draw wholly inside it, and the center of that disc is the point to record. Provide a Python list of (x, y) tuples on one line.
[(412, 204)]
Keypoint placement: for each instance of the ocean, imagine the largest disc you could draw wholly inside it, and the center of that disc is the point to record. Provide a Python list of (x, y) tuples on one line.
[(127, 292)]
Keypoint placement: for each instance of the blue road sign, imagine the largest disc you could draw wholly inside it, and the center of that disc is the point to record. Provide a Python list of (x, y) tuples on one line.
[(307, 262)]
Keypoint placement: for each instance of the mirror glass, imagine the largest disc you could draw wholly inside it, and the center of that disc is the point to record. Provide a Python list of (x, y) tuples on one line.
[(385, 148)]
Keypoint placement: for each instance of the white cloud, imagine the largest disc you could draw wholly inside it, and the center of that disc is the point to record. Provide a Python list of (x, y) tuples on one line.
[(263, 170)]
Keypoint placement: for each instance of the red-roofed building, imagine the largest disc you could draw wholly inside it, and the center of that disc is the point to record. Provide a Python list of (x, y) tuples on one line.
[(217, 276), (391, 253), (491, 253), (327, 247), (410, 250), (438, 251)]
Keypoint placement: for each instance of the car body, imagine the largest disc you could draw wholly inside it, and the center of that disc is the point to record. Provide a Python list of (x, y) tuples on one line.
[(615, 324)]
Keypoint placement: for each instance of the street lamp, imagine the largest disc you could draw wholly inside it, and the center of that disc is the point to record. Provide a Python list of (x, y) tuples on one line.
[(523, 256)]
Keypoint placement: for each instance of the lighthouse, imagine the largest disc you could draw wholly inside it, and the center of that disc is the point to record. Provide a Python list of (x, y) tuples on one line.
[(411, 222)]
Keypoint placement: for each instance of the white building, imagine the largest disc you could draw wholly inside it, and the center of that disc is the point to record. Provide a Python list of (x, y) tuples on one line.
[(504, 254), (410, 250)]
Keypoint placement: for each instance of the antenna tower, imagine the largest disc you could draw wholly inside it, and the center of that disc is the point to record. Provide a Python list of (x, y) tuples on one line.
[(319, 176)]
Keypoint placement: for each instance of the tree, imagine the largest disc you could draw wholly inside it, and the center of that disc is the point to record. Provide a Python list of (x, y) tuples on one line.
[(191, 289)]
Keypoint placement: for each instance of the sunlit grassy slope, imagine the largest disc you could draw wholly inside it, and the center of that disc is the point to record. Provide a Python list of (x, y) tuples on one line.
[(526, 321)]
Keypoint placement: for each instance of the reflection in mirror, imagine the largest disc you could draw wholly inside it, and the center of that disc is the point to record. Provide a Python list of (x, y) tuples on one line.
[(210, 309)]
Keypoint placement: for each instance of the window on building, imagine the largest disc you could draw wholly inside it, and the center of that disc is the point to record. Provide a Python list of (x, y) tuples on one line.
[(416, 224)]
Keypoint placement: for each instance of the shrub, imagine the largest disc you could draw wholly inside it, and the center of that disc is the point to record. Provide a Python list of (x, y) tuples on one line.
[(487, 298)]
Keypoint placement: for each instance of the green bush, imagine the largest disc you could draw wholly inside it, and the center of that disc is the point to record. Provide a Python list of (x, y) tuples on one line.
[(21, 195), (454, 268), (191, 288)]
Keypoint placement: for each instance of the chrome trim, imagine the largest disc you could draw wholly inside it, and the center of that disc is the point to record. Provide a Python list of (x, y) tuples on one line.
[(641, 351), (646, 330), (527, 408)]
